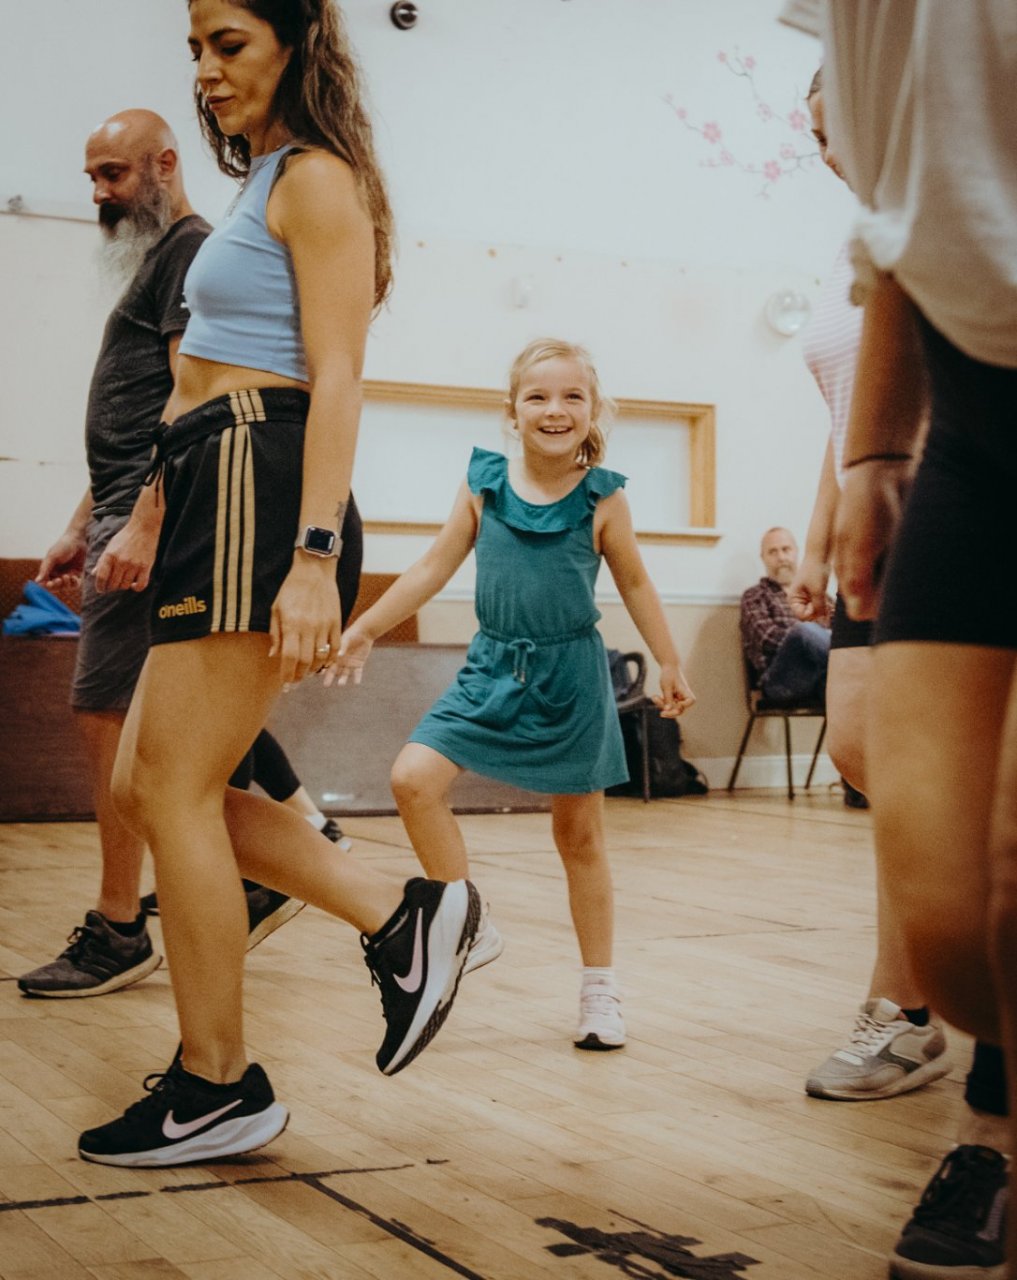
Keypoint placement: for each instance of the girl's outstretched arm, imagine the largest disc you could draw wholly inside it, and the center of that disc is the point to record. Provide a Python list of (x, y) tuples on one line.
[(613, 526), (414, 588)]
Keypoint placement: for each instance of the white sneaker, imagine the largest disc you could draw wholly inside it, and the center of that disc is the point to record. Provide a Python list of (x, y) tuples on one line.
[(487, 945), (600, 1021), (885, 1055)]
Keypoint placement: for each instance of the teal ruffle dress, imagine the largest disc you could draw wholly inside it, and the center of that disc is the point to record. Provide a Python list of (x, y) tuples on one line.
[(533, 706)]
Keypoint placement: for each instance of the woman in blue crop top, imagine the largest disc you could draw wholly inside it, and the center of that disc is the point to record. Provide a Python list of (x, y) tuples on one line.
[(250, 482)]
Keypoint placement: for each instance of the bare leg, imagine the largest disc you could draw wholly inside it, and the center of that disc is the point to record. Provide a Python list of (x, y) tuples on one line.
[(847, 691), (198, 706), (122, 850), (1003, 925), (276, 847), (300, 802), (934, 744), (578, 827), (421, 779)]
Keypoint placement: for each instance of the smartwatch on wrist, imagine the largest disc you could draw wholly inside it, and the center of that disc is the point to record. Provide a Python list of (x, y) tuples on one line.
[(319, 542)]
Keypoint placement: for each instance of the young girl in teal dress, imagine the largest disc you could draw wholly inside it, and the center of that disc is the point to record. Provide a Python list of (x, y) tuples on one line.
[(533, 705)]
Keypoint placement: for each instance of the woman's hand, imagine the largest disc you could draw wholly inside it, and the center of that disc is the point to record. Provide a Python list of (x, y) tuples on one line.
[(306, 626), (808, 598), (352, 656), (675, 694), (126, 564), (867, 519)]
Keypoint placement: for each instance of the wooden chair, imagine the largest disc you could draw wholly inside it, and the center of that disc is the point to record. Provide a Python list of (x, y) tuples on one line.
[(760, 709)]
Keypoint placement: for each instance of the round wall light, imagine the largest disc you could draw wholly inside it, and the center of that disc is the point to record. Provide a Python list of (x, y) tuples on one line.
[(787, 312)]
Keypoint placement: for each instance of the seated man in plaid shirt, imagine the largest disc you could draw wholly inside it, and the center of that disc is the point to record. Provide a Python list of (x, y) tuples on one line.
[(788, 656)]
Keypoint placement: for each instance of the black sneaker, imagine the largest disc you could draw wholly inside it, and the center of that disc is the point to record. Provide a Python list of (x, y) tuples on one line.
[(98, 960), (266, 911), (958, 1229), (417, 964), (334, 832), (185, 1118)]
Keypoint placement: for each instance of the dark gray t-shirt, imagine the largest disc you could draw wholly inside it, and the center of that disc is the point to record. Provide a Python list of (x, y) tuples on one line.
[(132, 381)]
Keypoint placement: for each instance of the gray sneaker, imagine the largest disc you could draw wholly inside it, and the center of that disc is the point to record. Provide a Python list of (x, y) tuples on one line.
[(98, 960), (885, 1055)]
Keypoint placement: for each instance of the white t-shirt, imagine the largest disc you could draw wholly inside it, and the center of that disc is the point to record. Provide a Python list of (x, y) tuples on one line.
[(920, 107)]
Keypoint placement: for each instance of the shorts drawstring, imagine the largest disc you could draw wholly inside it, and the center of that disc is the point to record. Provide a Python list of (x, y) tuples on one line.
[(157, 467)]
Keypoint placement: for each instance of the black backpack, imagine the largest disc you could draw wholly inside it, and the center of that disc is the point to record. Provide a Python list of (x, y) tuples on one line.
[(670, 775)]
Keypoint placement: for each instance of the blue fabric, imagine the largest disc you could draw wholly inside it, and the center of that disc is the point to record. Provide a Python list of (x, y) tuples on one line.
[(241, 290), (797, 674), (43, 615), (533, 706)]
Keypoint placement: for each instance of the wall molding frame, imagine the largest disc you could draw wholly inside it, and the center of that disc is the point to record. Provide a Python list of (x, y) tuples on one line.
[(699, 418)]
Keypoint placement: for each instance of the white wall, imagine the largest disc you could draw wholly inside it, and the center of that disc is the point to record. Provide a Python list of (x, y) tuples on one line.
[(523, 138)]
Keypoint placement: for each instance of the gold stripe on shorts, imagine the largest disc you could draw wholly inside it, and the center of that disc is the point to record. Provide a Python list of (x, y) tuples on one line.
[(233, 566)]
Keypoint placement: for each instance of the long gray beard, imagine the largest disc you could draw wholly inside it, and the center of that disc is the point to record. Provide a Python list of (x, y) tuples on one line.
[(121, 254)]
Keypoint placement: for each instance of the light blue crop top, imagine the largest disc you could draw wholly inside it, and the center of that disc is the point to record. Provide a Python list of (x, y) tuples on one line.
[(240, 290)]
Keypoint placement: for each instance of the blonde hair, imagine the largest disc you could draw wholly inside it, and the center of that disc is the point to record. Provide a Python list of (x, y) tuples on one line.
[(591, 452)]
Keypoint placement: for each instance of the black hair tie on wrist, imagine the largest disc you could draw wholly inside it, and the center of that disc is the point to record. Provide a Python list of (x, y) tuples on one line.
[(878, 457)]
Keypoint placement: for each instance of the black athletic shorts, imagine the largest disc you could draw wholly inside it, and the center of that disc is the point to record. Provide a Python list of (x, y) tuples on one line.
[(948, 576), (845, 632), (231, 474)]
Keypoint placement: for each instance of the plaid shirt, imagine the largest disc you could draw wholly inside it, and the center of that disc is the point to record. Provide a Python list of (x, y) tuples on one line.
[(766, 620)]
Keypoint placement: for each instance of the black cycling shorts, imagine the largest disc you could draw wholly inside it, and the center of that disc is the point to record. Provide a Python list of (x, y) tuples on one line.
[(949, 575)]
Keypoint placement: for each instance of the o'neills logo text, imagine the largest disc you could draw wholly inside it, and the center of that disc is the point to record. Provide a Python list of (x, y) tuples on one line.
[(188, 605)]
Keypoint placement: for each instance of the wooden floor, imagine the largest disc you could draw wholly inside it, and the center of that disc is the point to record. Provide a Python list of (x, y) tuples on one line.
[(745, 938)]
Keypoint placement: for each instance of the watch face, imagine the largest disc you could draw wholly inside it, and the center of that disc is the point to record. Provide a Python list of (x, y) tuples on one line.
[(320, 541)]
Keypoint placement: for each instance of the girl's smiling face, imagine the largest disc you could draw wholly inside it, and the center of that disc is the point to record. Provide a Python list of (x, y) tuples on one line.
[(553, 409)]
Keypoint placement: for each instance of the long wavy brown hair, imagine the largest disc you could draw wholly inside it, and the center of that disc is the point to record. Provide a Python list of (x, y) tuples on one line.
[(320, 101)]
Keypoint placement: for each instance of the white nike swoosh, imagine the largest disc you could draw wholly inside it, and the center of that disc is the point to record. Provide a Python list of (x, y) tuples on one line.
[(415, 976), (172, 1130)]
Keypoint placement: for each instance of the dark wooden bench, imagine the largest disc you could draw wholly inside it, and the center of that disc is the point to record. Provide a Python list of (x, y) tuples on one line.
[(342, 741)]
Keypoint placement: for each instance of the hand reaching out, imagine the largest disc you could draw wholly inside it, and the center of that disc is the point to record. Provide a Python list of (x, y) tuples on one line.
[(350, 661)]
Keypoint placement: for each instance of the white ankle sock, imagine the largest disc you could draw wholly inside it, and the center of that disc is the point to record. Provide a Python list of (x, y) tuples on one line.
[(593, 975), (317, 820)]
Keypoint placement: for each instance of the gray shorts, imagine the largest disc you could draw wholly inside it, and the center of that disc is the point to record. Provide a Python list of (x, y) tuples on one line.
[(114, 632)]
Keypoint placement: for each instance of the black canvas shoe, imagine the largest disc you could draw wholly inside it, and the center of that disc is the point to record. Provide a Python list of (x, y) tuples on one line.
[(266, 911), (184, 1118), (98, 960), (958, 1229), (417, 964), (334, 832)]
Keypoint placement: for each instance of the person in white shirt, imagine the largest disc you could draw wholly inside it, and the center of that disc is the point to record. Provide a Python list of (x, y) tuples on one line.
[(919, 106)]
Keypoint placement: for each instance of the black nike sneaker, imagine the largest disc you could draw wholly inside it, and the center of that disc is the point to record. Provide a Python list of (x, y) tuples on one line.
[(184, 1118), (417, 959)]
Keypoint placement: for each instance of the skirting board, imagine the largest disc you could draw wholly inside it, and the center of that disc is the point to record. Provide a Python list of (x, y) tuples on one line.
[(766, 771)]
